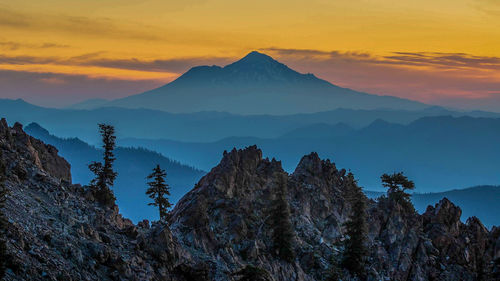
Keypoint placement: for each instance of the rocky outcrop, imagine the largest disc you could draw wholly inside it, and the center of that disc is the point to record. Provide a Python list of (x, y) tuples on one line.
[(225, 217), (57, 232), (32, 151), (222, 229)]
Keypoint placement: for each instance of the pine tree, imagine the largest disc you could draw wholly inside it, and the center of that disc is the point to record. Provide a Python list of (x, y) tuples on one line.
[(283, 235), (3, 220), (397, 185), (104, 174), (356, 229), (158, 191)]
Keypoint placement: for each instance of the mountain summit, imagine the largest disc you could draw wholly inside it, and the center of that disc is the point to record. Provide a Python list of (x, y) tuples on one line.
[(260, 67), (253, 69), (256, 84)]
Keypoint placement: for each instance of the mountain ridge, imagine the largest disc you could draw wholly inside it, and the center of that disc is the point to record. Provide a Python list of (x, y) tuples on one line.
[(201, 126), (56, 230), (431, 150), (260, 83), (476, 201)]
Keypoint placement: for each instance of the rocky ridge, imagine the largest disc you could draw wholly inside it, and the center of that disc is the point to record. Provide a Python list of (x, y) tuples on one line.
[(221, 230), (57, 231)]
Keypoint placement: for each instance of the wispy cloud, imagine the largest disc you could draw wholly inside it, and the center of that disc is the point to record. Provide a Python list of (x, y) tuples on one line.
[(26, 59), (106, 28), (13, 46), (171, 65), (98, 59), (489, 7), (410, 59), (424, 76), (445, 60), (90, 26), (57, 89)]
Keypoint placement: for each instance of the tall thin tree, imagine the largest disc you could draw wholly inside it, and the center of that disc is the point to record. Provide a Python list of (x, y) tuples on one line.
[(104, 174), (356, 229), (159, 191)]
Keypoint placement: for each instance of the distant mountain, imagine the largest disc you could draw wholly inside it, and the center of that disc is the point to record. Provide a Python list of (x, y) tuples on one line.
[(439, 153), (89, 104), (479, 201), (132, 165), (201, 126), (320, 130), (256, 84)]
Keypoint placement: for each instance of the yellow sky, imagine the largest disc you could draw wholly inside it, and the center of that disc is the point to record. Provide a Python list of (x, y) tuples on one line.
[(157, 28), (55, 30)]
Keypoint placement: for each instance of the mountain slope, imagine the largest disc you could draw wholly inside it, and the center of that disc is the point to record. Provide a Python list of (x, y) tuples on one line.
[(438, 153), (132, 165), (256, 84), (88, 104), (201, 126), (56, 231)]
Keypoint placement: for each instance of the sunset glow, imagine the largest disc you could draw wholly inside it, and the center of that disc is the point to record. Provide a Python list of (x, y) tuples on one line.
[(431, 51)]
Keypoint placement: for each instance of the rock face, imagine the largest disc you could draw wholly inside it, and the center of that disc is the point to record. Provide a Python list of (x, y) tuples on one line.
[(222, 228), (32, 151), (225, 217), (57, 232)]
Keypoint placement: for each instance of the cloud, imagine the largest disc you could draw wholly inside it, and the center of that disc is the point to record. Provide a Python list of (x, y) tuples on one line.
[(176, 65), (25, 59), (489, 7), (410, 59), (90, 26), (445, 60), (425, 76), (10, 18), (12, 46), (311, 53), (53, 89), (171, 65), (71, 26)]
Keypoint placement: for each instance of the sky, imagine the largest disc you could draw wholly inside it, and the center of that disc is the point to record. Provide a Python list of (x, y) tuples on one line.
[(58, 52)]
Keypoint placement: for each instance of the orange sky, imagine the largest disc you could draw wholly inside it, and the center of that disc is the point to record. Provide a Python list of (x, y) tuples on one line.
[(56, 52)]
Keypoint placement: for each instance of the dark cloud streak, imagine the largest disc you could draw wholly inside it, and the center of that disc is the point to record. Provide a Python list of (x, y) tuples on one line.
[(440, 60), (13, 46), (54, 90), (94, 59)]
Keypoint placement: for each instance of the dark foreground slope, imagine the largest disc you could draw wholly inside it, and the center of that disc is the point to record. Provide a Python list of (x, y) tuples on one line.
[(56, 230)]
